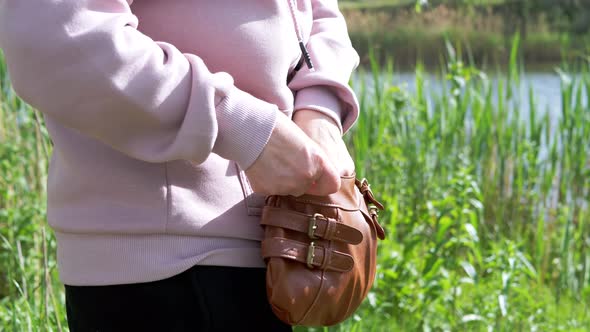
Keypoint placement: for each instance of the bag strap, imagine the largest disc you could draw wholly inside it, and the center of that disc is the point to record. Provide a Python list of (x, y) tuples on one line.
[(316, 226), (365, 189), (313, 255)]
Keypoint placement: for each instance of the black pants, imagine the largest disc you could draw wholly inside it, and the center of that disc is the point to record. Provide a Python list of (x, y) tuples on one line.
[(204, 298)]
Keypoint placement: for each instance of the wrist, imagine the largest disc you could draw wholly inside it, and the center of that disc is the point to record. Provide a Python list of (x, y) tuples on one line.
[(309, 117)]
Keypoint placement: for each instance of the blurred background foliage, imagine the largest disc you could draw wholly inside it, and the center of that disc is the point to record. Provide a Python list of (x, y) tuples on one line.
[(474, 133), (551, 30)]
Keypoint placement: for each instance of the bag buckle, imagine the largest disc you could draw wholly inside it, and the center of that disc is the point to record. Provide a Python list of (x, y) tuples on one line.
[(313, 225), (365, 189), (310, 255), (373, 211)]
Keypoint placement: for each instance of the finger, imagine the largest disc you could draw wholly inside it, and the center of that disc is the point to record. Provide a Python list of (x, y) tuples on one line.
[(328, 181)]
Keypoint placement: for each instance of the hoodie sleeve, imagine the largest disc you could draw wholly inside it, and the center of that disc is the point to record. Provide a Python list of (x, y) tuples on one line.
[(84, 64), (326, 88)]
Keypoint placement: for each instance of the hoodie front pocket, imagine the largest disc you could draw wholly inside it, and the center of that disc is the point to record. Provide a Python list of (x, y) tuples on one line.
[(254, 202)]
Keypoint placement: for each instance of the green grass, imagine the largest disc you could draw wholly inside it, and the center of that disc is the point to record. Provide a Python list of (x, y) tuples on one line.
[(411, 46), (485, 28), (381, 4), (487, 217), (30, 297), (367, 4)]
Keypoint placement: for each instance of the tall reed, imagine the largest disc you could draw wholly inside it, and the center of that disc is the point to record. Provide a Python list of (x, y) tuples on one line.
[(487, 212), (30, 297), (487, 205)]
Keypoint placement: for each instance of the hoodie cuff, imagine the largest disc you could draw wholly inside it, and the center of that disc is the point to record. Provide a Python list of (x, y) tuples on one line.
[(245, 124), (321, 99)]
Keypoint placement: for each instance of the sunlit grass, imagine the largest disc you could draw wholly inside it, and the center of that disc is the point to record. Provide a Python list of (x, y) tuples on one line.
[(30, 297), (488, 209), (395, 27), (487, 214)]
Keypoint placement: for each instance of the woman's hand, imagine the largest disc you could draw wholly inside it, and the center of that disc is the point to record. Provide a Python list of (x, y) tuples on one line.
[(326, 133), (293, 164), (303, 156)]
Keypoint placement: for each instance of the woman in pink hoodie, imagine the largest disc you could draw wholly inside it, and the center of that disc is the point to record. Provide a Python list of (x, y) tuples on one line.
[(170, 121)]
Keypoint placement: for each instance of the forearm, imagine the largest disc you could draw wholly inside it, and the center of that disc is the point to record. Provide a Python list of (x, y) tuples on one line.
[(84, 64), (319, 119)]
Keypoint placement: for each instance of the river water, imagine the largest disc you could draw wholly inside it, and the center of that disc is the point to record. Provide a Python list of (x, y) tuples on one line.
[(546, 87)]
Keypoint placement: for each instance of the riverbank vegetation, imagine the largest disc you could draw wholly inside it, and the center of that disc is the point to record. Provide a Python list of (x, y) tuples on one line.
[(551, 31), (488, 202), (487, 208)]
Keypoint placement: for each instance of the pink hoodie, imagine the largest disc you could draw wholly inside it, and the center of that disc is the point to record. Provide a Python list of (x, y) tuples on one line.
[(154, 108)]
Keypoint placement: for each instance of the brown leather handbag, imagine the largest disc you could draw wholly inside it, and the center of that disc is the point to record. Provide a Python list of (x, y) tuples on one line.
[(321, 253)]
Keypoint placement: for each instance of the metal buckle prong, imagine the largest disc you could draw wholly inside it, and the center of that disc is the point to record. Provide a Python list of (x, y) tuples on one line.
[(310, 255), (313, 226), (373, 211)]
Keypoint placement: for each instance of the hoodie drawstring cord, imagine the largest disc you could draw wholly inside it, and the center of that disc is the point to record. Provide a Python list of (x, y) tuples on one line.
[(304, 52)]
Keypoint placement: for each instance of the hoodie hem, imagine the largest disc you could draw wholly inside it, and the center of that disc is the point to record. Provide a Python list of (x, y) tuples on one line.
[(111, 259)]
